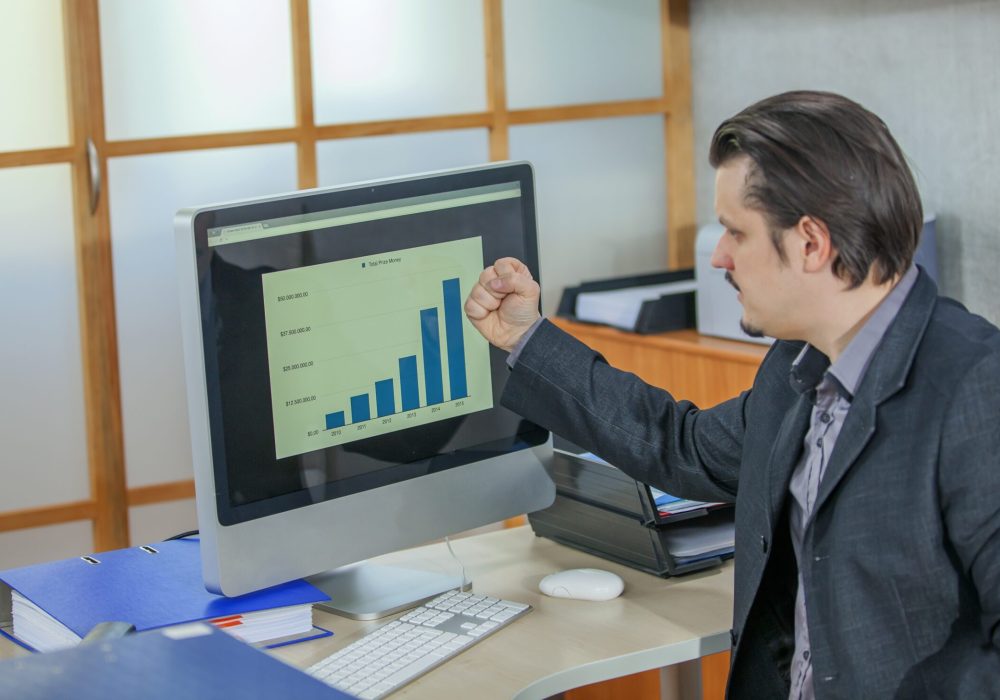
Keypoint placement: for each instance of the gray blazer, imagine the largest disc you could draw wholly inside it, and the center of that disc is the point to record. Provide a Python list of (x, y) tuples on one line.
[(901, 561)]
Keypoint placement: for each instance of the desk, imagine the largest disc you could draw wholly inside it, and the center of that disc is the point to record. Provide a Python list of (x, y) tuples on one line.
[(561, 644)]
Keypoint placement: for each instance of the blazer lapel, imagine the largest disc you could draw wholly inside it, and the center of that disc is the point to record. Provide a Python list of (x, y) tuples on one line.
[(885, 376), (786, 452)]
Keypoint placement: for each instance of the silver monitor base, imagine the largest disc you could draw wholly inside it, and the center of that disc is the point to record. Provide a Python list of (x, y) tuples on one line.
[(370, 591)]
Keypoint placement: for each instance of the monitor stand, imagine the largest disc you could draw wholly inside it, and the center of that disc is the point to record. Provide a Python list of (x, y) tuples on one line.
[(371, 591)]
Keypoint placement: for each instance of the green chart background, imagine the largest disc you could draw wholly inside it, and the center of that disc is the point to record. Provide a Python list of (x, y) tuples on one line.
[(335, 329)]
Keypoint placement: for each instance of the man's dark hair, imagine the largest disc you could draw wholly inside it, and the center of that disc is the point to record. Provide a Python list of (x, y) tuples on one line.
[(822, 155)]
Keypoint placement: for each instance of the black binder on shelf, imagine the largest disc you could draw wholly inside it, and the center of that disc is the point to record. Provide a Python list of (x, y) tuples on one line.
[(666, 313), (602, 511)]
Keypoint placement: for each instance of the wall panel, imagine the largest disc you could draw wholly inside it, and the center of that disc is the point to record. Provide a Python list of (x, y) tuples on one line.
[(145, 193), (42, 422)]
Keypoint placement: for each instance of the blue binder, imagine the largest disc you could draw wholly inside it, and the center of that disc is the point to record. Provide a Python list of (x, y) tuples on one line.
[(194, 661), (150, 586)]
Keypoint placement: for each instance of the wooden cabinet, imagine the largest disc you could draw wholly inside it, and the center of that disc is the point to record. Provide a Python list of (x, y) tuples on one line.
[(690, 366)]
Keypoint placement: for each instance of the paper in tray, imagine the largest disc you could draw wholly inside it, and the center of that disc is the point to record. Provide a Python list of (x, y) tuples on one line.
[(632, 310)]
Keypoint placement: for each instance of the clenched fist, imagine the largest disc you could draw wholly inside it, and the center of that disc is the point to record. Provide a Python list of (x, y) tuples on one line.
[(504, 302)]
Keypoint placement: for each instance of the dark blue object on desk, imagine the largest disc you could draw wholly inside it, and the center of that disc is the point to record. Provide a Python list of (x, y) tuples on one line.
[(192, 661)]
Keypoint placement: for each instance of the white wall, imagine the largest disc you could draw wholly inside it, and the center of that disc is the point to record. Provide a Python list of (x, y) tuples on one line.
[(929, 68)]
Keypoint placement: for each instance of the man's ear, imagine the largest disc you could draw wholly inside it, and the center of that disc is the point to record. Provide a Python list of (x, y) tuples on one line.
[(813, 245)]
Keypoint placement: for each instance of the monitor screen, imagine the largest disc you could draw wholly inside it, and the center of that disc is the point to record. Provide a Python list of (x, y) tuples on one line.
[(333, 375)]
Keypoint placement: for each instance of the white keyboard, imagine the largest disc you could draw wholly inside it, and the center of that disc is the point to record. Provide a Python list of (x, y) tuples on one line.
[(396, 653)]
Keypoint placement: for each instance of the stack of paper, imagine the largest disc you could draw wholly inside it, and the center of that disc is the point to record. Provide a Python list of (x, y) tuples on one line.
[(672, 505), (54, 605), (37, 628), (589, 456), (42, 632), (267, 625), (620, 307), (700, 538)]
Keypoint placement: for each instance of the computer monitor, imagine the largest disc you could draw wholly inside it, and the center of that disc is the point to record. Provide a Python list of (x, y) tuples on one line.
[(341, 404)]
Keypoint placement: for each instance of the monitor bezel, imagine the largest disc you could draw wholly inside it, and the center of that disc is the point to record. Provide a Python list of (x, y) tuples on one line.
[(224, 538)]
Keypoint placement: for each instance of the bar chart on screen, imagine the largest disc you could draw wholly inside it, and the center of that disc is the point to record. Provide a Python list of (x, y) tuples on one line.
[(372, 345)]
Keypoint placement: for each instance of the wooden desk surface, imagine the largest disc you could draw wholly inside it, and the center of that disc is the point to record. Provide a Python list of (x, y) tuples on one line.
[(561, 644)]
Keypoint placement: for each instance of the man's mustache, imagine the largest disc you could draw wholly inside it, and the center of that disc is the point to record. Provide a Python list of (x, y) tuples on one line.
[(729, 278)]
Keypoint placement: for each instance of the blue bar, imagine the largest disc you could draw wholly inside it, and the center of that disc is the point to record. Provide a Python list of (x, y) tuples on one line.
[(454, 339), (360, 408), (385, 404), (334, 420), (409, 393), (431, 341)]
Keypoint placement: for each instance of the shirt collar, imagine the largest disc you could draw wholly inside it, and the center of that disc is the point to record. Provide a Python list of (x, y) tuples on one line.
[(849, 369)]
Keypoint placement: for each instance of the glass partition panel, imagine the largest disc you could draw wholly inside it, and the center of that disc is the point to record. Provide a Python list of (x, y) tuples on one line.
[(145, 193), (187, 66), (32, 76), (40, 544), (601, 189), (388, 59), (563, 52), (352, 160), (158, 521), (42, 419)]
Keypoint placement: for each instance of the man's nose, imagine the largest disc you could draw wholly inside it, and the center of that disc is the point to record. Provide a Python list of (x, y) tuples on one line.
[(720, 257)]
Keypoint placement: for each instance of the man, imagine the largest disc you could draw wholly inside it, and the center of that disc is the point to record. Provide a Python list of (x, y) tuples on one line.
[(865, 460)]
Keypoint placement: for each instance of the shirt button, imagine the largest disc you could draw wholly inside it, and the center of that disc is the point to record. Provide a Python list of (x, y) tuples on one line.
[(819, 442), (805, 655), (825, 417)]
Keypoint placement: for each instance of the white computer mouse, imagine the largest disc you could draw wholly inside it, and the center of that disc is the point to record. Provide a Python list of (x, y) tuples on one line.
[(582, 584)]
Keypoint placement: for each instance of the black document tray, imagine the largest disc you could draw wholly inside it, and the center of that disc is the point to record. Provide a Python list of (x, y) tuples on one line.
[(611, 535), (603, 511), (670, 312), (607, 487)]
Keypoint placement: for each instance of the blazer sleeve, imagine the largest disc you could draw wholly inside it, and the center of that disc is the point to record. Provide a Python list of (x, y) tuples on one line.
[(566, 387), (969, 481)]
